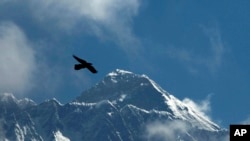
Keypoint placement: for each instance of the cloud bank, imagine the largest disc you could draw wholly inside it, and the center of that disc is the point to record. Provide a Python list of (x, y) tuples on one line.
[(17, 59)]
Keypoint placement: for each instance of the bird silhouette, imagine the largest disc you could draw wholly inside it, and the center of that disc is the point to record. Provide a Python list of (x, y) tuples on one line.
[(84, 64)]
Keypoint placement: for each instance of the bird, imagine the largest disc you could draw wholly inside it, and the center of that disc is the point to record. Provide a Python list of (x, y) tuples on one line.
[(84, 64)]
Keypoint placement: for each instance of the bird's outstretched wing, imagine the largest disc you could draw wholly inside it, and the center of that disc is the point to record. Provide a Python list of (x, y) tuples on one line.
[(91, 68), (80, 60)]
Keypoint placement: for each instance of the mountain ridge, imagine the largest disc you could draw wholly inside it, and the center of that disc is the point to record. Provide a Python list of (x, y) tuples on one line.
[(159, 99), (123, 106)]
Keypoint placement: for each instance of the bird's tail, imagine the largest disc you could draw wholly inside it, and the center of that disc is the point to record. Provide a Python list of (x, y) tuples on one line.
[(78, 66)]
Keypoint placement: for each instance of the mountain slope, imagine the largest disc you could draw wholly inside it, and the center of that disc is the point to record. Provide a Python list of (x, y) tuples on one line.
[(123, 87), (122, 107)]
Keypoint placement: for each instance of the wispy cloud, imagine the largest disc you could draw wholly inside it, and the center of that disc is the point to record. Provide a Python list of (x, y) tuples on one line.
[(107, 19), (164, 131), (23, 67), (203, 106), (217, 48), (17, 59), (194, 60), (103, 11), (174, 130)]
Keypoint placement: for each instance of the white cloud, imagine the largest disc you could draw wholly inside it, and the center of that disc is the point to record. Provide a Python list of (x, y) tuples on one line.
[(17, 59), (105, 11), (107, 19), (203, 107), (166, 131), (174, 130), (24, 65)]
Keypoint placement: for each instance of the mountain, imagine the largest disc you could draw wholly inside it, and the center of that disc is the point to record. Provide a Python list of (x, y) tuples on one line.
[(122, 107)]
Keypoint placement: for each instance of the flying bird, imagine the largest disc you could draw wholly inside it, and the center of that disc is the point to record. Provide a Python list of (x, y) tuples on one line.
[(84, 64)]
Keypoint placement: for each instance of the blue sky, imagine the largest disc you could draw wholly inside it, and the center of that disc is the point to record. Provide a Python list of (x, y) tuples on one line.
[(193, 49)]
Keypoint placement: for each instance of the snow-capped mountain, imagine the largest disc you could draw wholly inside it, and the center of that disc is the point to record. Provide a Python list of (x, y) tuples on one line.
[(122, 107)]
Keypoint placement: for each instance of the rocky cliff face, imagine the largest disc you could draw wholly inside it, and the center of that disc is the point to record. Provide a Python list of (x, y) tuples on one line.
[(122, 107)]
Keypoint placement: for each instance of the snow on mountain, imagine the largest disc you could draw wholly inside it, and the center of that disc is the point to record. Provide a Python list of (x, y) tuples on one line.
[(59, 136), (124, 87), (9, 98), (6, 97), (123, 106)]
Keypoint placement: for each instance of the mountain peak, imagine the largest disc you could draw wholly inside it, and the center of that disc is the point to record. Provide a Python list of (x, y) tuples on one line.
[(10, 99), (124, 88), (7, 97), (119, 72), (119, 75)]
